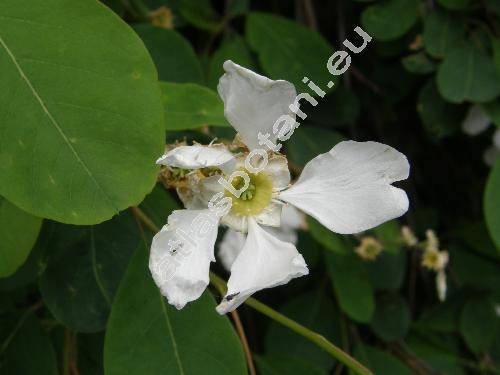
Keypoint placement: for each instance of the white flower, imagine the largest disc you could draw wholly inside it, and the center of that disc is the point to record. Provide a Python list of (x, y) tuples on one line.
[(477, 121), (347, 189)]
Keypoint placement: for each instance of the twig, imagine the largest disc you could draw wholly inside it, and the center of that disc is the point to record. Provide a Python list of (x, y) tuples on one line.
[(310, 14), (364, 80), (244, 341)]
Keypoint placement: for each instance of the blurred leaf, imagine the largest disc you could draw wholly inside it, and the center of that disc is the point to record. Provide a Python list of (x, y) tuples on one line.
[(173, 55), (454, 4), (391, 319), (232, 48), (380, 362), (286, 365), (467, 74), (200, 14), (479, 324), (84, 270), (443, 317), (340, 107), (34, 264), (387, 272), (237, 7), (288, 50), (315, 311), (495, 43), (418, 63), (473, 270), (158, 205), (157, 339), (477, 238), (492, 203), (493, 111), (389, 19), (90, 348), (308, 142), (331, 241), (390, 235), (18, 233), (84, 118), (352, 285), (188, 106), (440, 118), (435, 356), (30, 352), (310, 249), (443, 31)]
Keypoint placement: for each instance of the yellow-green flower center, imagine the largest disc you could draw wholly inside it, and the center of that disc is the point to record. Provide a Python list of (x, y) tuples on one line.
[(255, 198)]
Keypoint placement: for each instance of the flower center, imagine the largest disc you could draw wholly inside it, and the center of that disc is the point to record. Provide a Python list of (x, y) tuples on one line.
[(255, 198)]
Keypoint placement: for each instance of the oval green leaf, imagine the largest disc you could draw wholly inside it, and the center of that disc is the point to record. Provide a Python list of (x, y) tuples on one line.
[(391, 319), (85, 268), (288, 50), (146, 336), (81, 111), (492, 203), (173, 55), (443, 32), (389, 19), (467, 74), (189, 106), (18, 233)]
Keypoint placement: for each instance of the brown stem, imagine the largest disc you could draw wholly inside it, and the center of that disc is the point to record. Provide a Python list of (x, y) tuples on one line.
[(241, 332)]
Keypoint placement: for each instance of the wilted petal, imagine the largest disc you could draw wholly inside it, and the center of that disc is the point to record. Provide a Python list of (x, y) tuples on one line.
[(198, 156), (476, 121), (278, 172), (181, 254), (253, 103), (348, 188), (264, 262)]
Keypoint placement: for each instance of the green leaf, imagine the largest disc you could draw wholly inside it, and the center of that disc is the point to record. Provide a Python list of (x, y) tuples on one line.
[(492, 204), (308, 141), (30, 352), (84, 117), (391, 319), (330, 240), (18, 233), (493, 111), (479, 324), (189, 106), (232, 48), (147, 336), (473, 270), (339, 108), (159, 205), (315, 311), (200, 14), (455, 4), (443, 31), (286, 365), (389, 19), (468, 74), (173, 55), (387, 272), (289, 51), (351, 285), (380, 362), (440, 118), (418, 63), (389, 233), (84, 270), (443, 317)]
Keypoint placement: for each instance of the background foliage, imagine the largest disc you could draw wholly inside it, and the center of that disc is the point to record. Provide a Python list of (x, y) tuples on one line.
[(83, 117)]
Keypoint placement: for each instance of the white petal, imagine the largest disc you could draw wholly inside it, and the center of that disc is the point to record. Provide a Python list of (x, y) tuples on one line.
[(496, 138), (198, 156), (278, 172), (476, 121), (490, 155), (264, 262), (291, 218), (348, 188), (253, 103), (181, 254), (271, 215), (230, 247), (237, 222)]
